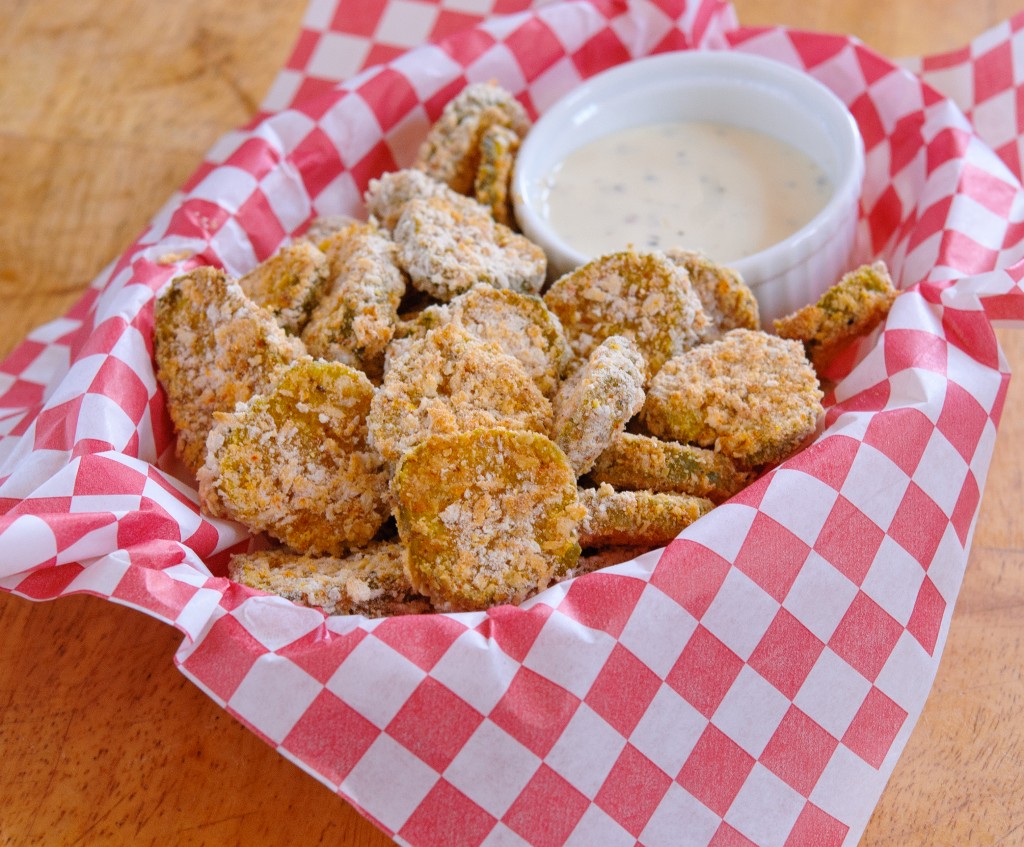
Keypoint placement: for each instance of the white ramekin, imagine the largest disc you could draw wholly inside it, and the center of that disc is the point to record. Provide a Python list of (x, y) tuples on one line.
[(730, 87)]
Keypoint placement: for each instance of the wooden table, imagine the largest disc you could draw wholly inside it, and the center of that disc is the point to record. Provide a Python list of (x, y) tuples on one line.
[(105, 108)]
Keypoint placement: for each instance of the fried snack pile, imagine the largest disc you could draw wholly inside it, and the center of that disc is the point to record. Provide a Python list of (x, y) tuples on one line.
[(409, 421)]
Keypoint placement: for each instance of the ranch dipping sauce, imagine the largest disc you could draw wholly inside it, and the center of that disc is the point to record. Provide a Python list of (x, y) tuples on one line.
[(724, 190)]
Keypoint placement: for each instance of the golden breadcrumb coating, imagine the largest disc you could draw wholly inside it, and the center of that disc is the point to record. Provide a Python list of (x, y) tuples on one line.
[(750, 395), (356, 318), (642, 462), (451, 381), (596, 403), (288, 284), (520, 324), (387, 196), (451, 151), (728, 301), (214, 348), (295, 462), (447, 246), (370, 581), (323, 227), (492, 184), (488, 516), (648, 518), (852, 307), (643, 296)]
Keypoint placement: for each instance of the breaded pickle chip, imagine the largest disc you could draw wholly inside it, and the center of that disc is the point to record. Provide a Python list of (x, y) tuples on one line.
[(295, 462), (521, 325), (493, 180), (323, 227), (596, 402), (852, 307), (451, 381), (749, 395), (214, 348), (488, 516), (727, 300), (387, 196), (641, 462), (370, 581), (448, 245), (451, 151), (356, 318), (288, 284), (647, 518), (643, 296)]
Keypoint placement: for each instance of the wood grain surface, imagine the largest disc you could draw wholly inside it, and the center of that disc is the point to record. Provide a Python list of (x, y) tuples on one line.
[(105, 109)]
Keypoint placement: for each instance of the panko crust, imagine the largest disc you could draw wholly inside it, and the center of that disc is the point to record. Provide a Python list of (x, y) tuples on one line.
[(642, 296), (852, 307), (750, 395), (520, 324), (296, 463), (448, 245), (451, 381), (595, 404), (727, 299), (492, 183), (630, 518), (288, 284), (386, 197), (451, 151), (370, 581), (356, 319), (641, 462), (488, 516), (214, 348)]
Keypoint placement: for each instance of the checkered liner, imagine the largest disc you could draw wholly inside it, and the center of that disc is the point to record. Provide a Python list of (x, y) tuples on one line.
[(754, 682)]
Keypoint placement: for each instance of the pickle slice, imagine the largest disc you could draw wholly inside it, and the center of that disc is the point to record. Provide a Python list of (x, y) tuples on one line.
[(749, 395), (370, 581), (295, 462), (636, 518), (597, 401), (214, 348), (852, 307), (643, 296), (488, 516), (641, 462), (451, 381)]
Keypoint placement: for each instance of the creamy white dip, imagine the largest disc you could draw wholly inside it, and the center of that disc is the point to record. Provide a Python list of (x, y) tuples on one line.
[(724, 190)]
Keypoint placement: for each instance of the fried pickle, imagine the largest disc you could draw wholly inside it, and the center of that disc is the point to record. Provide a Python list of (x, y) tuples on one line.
[(295, 462), (492, 184), (596, 402), (387, 196), (520, 324), (852, 307), (448, 245), (727, 300), (370, 581), (288, 284), (451, 381), (630, 518), (643, 296), (750, 395), (356, 318), (641, 462), (451, 151), (488, 516), (214, 348)]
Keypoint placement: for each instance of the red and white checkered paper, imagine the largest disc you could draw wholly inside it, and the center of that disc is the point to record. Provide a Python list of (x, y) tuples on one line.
[(754, 682)]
